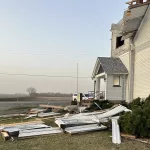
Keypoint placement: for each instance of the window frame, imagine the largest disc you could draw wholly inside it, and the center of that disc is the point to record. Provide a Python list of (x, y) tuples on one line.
[(114, 80)]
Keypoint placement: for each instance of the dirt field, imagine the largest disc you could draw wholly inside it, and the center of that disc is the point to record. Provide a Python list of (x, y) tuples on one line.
[(9, 105)]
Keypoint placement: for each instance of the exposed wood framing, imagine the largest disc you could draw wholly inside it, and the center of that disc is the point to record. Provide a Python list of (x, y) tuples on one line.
[(137, 2)]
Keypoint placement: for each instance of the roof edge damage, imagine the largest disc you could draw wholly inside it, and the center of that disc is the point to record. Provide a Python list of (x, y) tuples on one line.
[(131, 21), (137, 3)]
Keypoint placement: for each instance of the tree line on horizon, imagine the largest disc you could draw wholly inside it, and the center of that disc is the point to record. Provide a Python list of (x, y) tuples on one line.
[(32, 92)]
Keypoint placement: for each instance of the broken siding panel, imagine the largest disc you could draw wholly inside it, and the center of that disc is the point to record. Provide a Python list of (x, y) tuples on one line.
[(132, 25), (143, 34), (142, 74), (129, 35), (113, 43), (37, 132), (121, 50), (85, 128)]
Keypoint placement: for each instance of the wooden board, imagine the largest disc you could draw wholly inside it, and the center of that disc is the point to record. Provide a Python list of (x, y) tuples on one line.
[(5, 135), (51, 106)]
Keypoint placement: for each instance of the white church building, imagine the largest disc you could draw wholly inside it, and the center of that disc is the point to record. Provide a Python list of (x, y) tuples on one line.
[(127, 72)]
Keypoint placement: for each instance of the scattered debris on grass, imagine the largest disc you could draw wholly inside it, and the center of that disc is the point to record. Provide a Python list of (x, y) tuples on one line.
[(85, 128), (55, 123), (116, 138), (27, 130)]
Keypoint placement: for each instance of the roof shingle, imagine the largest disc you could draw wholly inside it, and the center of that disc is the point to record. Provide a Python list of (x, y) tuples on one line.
[(112, 65)]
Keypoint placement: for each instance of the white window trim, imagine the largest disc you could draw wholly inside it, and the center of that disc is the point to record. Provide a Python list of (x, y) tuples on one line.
[(116, 85)]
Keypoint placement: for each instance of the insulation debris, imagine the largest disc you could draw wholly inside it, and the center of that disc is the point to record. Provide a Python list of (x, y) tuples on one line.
[(75, 108)]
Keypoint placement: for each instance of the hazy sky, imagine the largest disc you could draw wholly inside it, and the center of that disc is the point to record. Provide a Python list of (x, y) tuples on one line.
[(49, 37)]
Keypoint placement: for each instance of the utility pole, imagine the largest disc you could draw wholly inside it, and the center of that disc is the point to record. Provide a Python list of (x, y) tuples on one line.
[(77, 77)]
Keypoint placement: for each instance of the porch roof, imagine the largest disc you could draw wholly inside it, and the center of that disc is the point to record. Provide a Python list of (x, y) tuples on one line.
[(109, 65)]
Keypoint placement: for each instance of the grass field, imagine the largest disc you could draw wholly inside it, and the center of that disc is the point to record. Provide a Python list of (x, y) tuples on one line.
[(91, 141)]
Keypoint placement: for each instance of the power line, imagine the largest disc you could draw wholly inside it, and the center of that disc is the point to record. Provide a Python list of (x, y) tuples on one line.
[(36, 75), (47, 54)]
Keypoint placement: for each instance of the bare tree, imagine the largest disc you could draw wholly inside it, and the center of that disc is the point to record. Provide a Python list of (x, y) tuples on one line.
[(31, 91)]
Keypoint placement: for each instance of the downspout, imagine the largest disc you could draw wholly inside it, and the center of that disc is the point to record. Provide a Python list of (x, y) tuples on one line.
[(94, 87), (131, 73)]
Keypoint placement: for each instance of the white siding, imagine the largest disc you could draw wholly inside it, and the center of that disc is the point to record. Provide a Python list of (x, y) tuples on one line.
[(142, 74), (125, 59), (113, 93), (142, 59), (143, 34)]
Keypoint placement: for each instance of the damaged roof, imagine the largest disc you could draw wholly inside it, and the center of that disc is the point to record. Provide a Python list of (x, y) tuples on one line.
[(130, 23), (110, 65)]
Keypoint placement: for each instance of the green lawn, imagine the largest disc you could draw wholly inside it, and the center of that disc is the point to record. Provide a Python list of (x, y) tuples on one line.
[(92, 141)]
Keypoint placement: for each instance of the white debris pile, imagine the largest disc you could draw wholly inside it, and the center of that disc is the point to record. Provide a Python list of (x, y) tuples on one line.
[(37, 132), (69, 123), (87, 122), (27, 130), (89, 118)]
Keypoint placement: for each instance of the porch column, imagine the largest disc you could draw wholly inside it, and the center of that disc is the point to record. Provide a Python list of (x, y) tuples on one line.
[(97, 88)]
